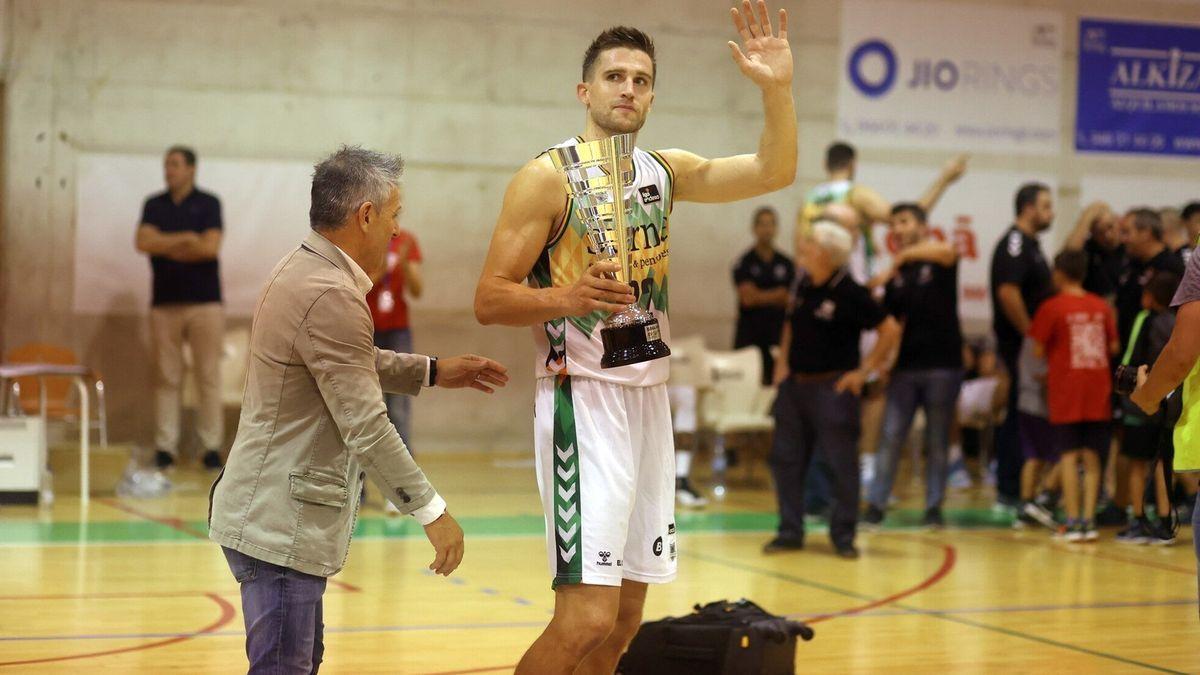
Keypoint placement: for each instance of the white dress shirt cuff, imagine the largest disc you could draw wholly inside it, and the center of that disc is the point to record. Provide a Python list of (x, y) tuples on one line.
[(431, 511), (428, 372)]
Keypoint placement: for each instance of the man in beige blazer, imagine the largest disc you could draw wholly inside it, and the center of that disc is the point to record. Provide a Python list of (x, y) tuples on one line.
[(314, 424)]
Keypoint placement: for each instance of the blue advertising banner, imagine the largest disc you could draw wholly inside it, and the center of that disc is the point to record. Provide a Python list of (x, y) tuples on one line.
[(1139, 88)]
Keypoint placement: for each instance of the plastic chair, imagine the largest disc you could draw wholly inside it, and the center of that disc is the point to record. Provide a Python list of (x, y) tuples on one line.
[(689, 363), (27, 392), (737, 403)]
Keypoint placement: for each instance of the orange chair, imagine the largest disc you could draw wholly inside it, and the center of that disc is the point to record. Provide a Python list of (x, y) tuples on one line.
[(60, 404)]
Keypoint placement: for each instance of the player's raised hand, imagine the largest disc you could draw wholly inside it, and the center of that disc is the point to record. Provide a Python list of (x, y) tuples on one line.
[(765, 57)]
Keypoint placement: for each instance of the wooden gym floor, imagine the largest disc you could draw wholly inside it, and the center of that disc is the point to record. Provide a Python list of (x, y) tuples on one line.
[(133, 586)]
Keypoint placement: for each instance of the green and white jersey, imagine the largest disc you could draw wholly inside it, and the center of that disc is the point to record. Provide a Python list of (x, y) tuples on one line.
[(571, 345)]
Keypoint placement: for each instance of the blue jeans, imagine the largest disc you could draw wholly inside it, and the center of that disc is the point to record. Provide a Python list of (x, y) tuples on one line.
[(284, 630), (399, 406), (935, 390)]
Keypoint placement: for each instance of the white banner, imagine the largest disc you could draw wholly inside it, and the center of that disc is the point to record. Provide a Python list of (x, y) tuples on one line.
[(974, 213), (1126, 192), (956, 76), (264, 206)]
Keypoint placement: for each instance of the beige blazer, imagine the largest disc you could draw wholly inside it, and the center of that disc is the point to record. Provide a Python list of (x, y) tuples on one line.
[(313, 420)]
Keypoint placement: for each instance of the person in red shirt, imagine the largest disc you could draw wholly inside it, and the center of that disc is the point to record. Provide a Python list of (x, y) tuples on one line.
[(1077, 332), (389, 310)]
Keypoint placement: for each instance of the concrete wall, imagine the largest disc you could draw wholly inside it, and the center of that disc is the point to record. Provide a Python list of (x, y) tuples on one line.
[(466, 89)]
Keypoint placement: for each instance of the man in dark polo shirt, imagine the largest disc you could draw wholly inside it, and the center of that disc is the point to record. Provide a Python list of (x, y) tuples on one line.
[(180, 231), (1020, 280), (820, 381), (922, 294), (1142, 235), (762, 278)]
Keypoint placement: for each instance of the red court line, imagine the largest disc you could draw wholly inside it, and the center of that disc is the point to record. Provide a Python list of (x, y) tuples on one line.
[(174, 523), (949, 558), (227, 614)]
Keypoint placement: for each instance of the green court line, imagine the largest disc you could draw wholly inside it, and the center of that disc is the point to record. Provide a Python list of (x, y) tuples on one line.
[(14, 531), (933, 613)]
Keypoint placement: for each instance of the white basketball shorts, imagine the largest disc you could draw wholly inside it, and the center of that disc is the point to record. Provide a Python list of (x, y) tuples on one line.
[(606, 473)]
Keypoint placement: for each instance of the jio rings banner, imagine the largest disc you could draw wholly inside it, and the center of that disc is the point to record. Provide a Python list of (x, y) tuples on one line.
[(1139, 88), (953, 76)]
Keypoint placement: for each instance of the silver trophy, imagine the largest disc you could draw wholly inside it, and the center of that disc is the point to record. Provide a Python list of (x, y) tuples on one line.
[(596, 175)]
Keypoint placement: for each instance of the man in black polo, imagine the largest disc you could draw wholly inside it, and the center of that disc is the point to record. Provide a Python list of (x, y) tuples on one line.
[(1142, 235), (820, 381), (762, 278), (1020, 281), (922, 294), (180, 231)]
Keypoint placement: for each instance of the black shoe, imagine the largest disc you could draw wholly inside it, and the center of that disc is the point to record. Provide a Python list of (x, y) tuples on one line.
[(212, 460), (872, 517), (933, 518), (163, 459), (783, 544), (1111, 514), (847, 552)]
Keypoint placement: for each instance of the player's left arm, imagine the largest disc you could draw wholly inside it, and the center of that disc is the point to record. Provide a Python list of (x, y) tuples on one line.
[(766, 58)]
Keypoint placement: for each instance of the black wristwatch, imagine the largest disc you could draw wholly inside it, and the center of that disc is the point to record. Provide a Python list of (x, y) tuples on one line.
[(433, 371)]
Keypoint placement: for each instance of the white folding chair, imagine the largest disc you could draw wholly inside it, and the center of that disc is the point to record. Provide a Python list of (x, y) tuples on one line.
[(736, 403)]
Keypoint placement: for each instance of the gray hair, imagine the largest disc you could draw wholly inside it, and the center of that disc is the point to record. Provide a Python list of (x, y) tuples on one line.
[(834, 239), (343, 181)]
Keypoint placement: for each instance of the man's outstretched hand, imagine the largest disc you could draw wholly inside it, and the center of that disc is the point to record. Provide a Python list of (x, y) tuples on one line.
[(472, 371), (764, 57)]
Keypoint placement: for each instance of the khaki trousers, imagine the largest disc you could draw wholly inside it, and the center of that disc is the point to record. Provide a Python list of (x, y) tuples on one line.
[(202, 327)]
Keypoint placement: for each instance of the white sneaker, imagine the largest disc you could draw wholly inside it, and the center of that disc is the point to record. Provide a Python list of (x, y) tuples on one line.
[(688, 498)]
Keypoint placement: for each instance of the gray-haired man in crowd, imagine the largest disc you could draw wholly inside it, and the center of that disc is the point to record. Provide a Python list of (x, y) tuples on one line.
[(314, 423)]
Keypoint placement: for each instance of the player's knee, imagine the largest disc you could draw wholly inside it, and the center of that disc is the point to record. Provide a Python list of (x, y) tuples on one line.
[(586, 628)]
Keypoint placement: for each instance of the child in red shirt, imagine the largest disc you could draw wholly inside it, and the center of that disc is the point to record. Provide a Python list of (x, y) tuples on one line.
[(1077, 332)]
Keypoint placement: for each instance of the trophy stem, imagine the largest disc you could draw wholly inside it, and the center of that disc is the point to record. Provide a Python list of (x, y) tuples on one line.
[(620, 228)]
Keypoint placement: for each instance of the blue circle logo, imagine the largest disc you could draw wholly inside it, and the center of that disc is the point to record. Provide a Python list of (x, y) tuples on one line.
[(865, 50)]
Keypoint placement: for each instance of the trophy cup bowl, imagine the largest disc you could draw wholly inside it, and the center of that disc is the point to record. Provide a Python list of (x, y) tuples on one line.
[(596, 179)]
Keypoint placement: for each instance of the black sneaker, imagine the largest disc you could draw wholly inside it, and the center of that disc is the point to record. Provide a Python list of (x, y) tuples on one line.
[(212, 460), (933, 518), (846, 552), (1038, 514), (163, 459), (783, 544), (872, 517), (1162, 534), (1111, 514), (1138, 532)]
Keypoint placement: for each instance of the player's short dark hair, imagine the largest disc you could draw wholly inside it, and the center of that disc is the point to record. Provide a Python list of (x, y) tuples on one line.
[(619, 36), (913, 208), (1072, 264), (1149, 220), (1162, 287), (188, 154), (1191, 209), (839, 155), (1027, 195), (760, 211)]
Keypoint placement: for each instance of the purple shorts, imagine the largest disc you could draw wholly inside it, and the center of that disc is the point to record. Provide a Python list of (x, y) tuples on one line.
[(1037, 439), (1094, 436)]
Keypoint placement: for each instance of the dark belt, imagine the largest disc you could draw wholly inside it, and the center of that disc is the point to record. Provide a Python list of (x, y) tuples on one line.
[(817, 377)]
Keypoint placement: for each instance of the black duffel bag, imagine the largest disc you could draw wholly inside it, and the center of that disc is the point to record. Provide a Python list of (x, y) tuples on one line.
[(720, 638)]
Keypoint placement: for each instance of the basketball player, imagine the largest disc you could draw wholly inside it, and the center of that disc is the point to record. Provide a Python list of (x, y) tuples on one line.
[(826, 200), (603, 436)]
